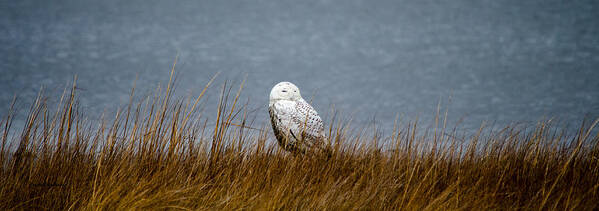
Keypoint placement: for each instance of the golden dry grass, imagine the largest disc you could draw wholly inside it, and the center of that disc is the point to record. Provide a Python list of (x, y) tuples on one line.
[(159, 153)]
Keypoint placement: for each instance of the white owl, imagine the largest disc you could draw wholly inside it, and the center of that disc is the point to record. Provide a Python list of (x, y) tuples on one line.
[(296, 125)]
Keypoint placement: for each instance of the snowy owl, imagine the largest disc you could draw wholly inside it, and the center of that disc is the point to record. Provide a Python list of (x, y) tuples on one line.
[(296, 124)]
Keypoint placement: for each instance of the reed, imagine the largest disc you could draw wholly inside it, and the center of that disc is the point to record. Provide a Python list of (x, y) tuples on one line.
[(161, 153)]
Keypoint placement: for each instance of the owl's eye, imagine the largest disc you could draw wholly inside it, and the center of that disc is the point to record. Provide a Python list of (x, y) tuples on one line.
[(284, 91)]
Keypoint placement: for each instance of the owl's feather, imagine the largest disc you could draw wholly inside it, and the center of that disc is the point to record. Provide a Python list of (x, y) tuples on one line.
[(296, 125)]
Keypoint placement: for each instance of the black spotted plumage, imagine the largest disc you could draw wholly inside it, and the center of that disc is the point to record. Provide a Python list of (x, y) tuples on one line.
[(295, 123)]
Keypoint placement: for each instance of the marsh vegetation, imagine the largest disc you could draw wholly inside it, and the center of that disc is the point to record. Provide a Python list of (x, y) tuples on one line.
[(161, 153)]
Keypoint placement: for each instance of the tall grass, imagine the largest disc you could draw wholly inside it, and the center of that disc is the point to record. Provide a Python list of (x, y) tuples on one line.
[(161, 153)]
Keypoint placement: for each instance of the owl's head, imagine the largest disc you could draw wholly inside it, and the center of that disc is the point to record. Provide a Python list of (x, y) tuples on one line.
[(285, 91)]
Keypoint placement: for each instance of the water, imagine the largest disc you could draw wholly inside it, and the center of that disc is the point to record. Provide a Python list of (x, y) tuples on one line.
[(495, 61)]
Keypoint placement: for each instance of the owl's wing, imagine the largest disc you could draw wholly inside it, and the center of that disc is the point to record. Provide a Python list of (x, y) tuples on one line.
[(296, 121), (310, 125)]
